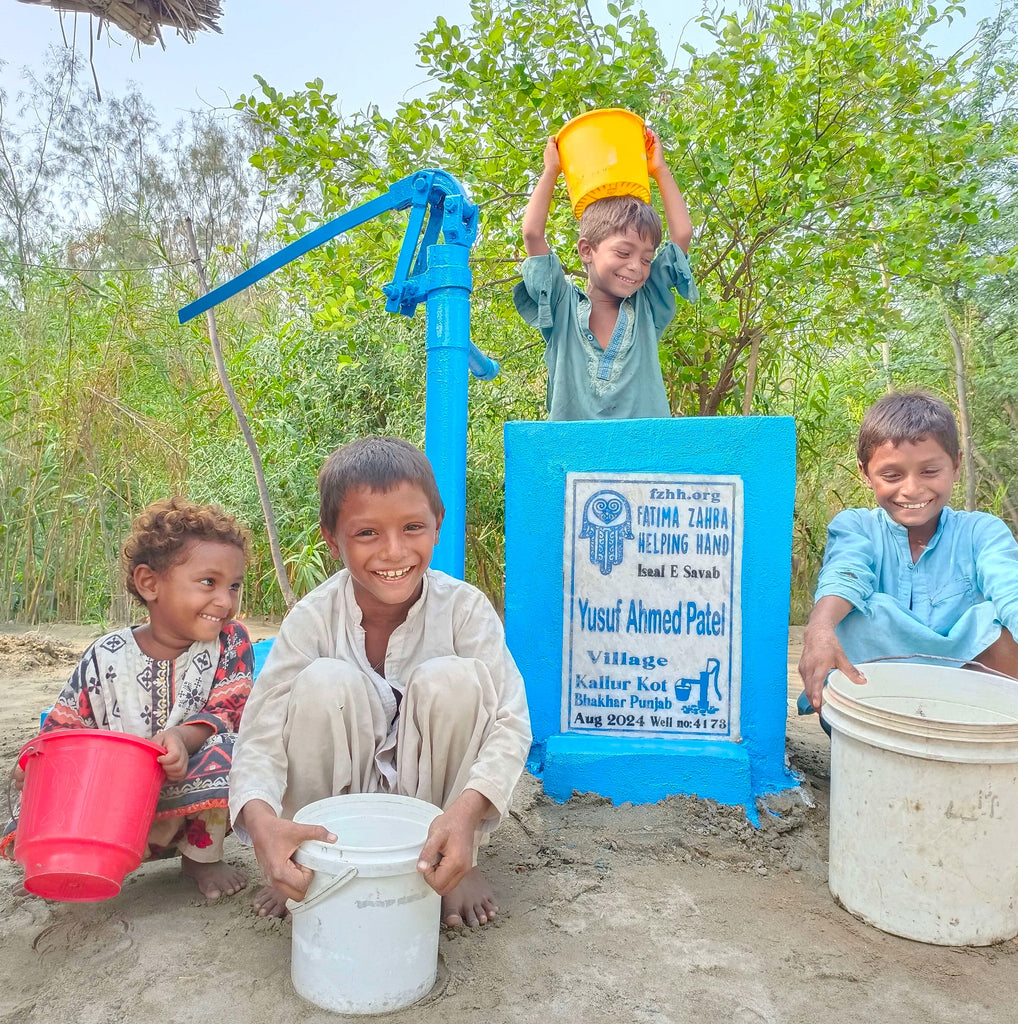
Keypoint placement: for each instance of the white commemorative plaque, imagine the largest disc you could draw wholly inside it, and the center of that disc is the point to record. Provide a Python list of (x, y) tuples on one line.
[(652, 616)]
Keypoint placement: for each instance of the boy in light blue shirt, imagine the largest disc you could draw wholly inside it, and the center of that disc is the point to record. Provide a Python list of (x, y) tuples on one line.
[(912, 576), (601, 345)]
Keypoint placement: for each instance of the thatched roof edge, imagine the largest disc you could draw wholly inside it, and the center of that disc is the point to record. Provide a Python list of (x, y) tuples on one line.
[(143, 19)]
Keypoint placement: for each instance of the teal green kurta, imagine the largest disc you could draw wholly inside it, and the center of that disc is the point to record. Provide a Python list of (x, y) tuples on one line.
[(622, 381)]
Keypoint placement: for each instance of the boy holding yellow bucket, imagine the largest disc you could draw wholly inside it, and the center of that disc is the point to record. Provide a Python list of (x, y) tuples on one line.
[(601, 344)]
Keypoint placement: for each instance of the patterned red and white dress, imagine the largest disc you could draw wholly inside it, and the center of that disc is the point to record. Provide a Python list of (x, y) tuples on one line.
[(117, 686)]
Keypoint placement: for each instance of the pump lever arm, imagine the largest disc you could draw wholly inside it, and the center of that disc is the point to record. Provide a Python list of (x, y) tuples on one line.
[(398, 196), (431, 190)]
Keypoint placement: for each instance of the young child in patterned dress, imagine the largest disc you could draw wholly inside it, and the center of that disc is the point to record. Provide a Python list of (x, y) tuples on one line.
[(181, 679)]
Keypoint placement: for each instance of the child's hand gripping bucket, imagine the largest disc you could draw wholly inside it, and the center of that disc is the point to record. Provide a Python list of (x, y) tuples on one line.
[(365, 936), (603, 153), (924, 801), (86, 811)]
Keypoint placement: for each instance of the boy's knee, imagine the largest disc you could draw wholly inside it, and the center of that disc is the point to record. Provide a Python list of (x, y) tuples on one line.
[(458, 681), (1002, 654)]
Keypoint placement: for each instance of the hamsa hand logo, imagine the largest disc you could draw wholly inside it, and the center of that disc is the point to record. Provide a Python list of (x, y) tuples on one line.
[(607, 521)]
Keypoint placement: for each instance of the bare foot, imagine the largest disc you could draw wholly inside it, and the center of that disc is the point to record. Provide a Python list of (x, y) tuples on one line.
[(471, 903), (213, 880), (269, 903)]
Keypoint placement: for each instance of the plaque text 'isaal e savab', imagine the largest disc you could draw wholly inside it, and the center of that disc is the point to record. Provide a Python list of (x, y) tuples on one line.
[(652, 630)]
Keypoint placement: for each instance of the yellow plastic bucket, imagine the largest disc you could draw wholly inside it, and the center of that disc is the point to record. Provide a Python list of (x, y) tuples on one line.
[(603, 154)]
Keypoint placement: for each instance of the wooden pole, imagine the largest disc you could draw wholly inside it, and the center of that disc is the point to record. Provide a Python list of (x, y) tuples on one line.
[(238, 411)]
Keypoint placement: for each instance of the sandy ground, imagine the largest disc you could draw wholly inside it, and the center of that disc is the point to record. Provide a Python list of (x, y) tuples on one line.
[(678, 911)]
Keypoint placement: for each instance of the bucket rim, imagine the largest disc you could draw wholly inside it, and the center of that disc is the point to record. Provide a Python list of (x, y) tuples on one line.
[(424, 811), (590, 114), (927, 739), (105, 735), (839, 688)]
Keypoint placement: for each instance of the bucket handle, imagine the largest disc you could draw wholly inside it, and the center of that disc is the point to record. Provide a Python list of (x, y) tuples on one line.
[(10, 802), (26, 753), (342, 872)]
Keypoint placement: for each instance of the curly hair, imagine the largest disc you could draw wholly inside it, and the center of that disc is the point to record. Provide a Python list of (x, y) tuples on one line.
[(162, 533)]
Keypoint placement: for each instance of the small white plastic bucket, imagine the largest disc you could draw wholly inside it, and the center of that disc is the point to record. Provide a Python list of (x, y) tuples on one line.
[(924, 801), (365, 936)]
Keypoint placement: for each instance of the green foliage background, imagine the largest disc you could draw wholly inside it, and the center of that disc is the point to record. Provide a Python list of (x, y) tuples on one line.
[(853, 195)]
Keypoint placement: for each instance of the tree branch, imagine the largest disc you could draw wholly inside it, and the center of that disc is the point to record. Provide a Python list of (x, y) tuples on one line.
[(238, 411)]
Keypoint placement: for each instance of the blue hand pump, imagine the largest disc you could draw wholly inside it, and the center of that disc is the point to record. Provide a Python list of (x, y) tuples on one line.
[(434, 272)]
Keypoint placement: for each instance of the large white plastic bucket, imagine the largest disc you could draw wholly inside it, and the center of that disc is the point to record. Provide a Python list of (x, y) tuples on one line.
[(924, 801), (365, 936)]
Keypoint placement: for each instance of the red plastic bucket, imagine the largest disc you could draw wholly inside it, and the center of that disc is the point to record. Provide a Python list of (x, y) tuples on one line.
[(86, 811)]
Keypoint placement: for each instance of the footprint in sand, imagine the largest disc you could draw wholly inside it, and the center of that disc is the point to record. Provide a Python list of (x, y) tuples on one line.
[(747, 1015), (23, 916), (97, 938)]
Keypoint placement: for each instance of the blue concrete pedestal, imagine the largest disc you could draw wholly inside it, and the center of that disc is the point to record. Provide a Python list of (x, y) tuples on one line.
[(644, 771), (749, 760)]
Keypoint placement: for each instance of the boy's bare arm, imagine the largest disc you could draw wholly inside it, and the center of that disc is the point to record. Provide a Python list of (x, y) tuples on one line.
[(680, 227), (822, 651), (275, 840), (448, 853), (535, 217)]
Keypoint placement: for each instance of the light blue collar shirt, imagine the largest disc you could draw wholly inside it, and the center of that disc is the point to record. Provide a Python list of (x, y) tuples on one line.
[(950, 602)]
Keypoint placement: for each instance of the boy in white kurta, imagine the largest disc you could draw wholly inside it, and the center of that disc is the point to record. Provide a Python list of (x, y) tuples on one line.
[(389, 677)]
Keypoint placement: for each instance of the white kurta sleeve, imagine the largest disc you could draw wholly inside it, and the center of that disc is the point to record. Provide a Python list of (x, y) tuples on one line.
[(504, 751)]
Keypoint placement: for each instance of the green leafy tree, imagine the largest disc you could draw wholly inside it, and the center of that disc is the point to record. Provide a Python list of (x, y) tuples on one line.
[(848, 185), (816, 146)]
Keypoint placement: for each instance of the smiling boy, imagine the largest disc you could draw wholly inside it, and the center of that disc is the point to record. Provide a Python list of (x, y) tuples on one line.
[(913, 575), (389, 677), (601, 345)]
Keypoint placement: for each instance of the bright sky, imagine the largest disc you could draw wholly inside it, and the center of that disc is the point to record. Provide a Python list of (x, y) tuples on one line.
[(365, 55)]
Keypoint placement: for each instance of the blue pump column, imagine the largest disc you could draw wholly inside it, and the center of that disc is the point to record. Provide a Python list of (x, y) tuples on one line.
[(448, 340), (437, 274)]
